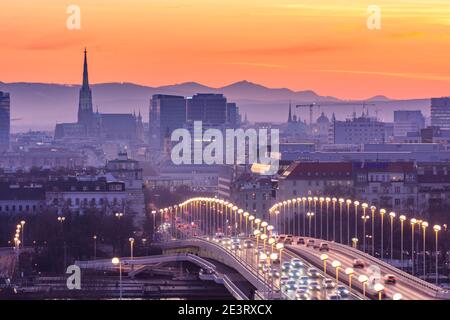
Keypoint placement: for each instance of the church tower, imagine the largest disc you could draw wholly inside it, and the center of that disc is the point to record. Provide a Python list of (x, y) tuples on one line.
[(85, 110)]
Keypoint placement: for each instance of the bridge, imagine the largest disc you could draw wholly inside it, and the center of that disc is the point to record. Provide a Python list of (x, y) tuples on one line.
[(318, 233)]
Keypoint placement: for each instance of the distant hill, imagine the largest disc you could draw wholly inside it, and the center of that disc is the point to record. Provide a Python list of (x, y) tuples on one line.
[(41, 106)]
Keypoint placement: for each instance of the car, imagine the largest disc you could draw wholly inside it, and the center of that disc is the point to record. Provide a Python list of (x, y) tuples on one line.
[(283, 279), (358, 264), (313, 273), (297, 264), (288, 239), (314, 286), (328, 283), (310, 243), (303, 288), (294, 274), (390, 279), (301, 241), (235, 244), (334, 297), (248, 244), (324, 247), (302, 295), (342, 291), (290, 285), (286, 266), (303, 280), (281, 238)]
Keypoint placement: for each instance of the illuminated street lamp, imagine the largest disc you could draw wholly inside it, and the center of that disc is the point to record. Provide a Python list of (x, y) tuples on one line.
[(424, 225), (355, 242), (280, 248), (436, 229), (402, 220), (378, 287), (324, 258), (131, 240), (270, 229), (337, 265), (392, 216), (356, 204), (334, 200), (363, 279), (372, 209), (327, 200), (397, 296), (365, 218), (246, 215), (413, 222), (349, 272), (116, 261), (22, 223), (251, 219), (341, 202), (310, 215), (271, 243), (382, 213), (348, 202), (264, 239)]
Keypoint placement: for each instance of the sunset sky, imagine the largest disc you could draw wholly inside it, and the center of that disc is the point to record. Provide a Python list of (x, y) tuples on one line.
[(321, 45)]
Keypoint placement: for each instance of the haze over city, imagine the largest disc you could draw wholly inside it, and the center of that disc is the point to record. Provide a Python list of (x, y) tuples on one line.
[(309, 45)]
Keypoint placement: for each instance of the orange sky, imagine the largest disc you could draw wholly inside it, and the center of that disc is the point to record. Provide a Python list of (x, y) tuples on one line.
[(303, 44)]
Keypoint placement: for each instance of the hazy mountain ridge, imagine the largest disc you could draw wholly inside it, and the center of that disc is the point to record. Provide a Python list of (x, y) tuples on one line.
[(41, 105)]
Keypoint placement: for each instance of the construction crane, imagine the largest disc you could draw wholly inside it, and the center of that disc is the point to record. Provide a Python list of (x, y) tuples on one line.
[(312, 105)]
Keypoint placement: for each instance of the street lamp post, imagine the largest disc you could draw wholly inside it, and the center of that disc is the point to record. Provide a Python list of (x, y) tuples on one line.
[(95, 246), (61, 220), (413, 222), (356, 204), (349, 202), (402, 220), (436, 229), (424, 225), (22, 223), (328, 199), (373, 208), (382, 212), (392, 216), (341, 202), (337, 265), (365, 218), (378, 287), (324, 258), (116, 261), (334, 218), (310, 216), (321, 200), (280, 248), (349, 272), (363, 279)]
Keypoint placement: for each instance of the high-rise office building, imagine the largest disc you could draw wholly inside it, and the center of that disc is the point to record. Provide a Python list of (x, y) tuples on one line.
[(167, 113), (360, 130), (406, 121), (210, 108), (232, 114), (440, 112), (4, 120)]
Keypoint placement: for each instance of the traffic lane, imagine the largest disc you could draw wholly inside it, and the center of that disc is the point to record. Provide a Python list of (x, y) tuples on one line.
[(408, 292), (347, 261)]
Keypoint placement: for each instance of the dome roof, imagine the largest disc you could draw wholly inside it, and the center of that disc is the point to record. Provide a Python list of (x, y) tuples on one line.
[(323, 119)]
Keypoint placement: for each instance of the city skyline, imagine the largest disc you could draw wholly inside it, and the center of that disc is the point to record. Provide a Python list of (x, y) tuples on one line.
[(264, 42)]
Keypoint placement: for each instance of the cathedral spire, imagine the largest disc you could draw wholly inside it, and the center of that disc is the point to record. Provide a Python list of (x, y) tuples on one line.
[(85, 71)]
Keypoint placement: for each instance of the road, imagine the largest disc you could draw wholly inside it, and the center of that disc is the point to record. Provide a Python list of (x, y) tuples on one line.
[(408, 291)]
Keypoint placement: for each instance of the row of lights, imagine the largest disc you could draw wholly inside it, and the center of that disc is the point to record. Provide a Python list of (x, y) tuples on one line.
[(18, 237)]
